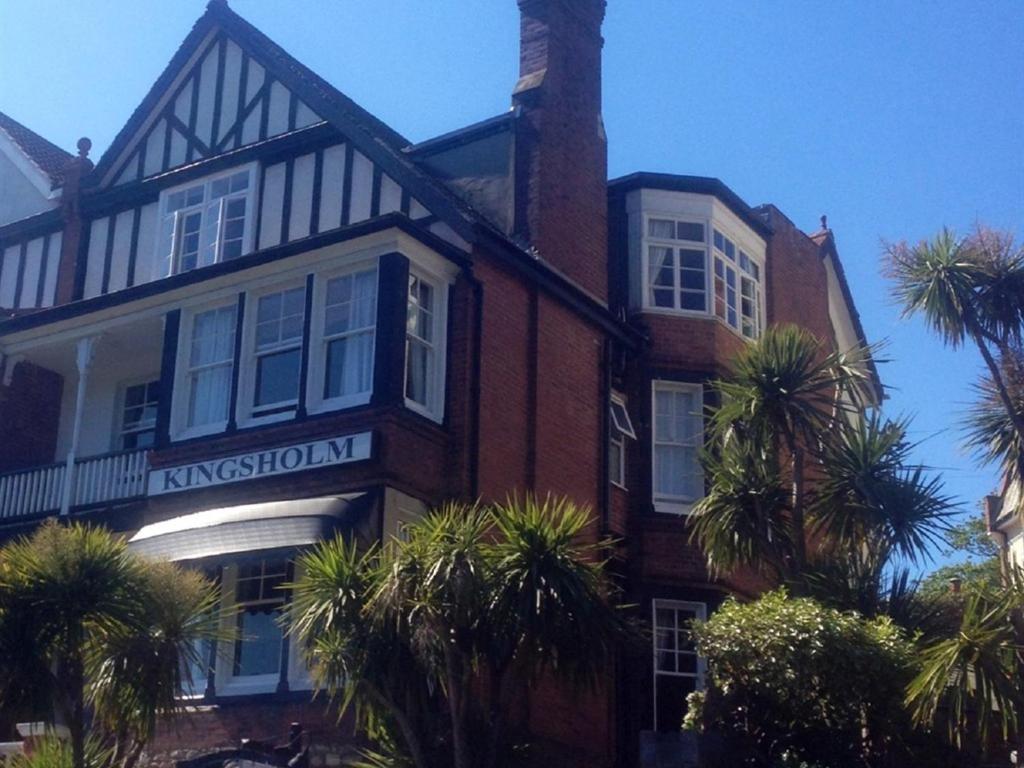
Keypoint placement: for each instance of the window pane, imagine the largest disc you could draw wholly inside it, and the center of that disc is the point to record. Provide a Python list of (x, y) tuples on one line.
[(418, 369), (349, 365), (691, 300), (661, 228), (691, 259), (277, 377), (662, 265), (615, 451), (209, 392), (670, 695), (258, 647), (686, 230)]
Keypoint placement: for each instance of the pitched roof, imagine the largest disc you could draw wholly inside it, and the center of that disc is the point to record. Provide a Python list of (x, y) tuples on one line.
[(45, 155)]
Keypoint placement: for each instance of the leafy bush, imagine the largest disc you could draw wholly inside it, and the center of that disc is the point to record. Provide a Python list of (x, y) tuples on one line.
[(792, 681)]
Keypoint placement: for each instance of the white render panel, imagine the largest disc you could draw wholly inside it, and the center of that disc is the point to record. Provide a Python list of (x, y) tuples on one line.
[(154, 150), (302, 196), (94, 260), (183, 104), (272, 203), (127, 174), (207, 94), (232, 82), (277, 118), (362, 188), (255, 80), (390, 195), (9, 276), (416, 210), (251, 127), (178, 149), (305, 116), (31, 270), (445, 232), (145, 250), (332, 187), (52, 261), (122, 248)]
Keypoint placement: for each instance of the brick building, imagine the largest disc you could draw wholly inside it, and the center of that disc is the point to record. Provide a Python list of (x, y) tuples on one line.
[(264, 316)]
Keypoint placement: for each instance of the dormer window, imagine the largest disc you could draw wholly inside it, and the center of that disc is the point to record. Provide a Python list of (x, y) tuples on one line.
[(206, 222)]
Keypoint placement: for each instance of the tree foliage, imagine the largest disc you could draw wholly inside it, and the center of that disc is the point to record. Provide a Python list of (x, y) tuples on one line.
[(428, 637), (790, 679), (85, 622)]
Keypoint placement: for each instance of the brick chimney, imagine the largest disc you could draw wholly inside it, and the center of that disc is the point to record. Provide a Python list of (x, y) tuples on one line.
[(561, 205)]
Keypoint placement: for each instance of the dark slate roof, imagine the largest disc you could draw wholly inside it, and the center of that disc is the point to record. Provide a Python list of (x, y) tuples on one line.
[(700, 185), (49, 158)]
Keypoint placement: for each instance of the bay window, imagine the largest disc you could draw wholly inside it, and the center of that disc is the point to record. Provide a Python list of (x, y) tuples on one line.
[(206, 222), (678, 436), (685, 271)]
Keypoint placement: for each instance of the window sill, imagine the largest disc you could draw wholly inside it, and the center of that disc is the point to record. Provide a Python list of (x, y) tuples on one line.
[(620, 486), (270, 418), (242, 687), (338, 403), (677, 508), (423, 411), (204, 431)]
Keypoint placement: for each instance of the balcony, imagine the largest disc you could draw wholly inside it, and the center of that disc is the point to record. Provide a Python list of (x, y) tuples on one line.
[(96, 480)]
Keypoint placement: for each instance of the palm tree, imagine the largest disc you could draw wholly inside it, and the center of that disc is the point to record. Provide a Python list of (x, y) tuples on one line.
[(785, 393), (445, 620), (969, 289), (88, 621)]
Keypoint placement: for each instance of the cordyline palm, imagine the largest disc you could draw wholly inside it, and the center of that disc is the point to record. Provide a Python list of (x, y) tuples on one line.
[(783, 395), (445, 619), (87, 619), (970, 679), (968, 289)]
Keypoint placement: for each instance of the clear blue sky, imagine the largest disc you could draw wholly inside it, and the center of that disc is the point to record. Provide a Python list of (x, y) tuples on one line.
[(893, 118)]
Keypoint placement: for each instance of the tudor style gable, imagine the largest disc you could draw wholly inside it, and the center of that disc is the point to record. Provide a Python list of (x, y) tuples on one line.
[(222, 99)]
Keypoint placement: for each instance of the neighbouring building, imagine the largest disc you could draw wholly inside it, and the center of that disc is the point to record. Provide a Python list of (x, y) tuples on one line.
[(264, 316), (1003, 516)]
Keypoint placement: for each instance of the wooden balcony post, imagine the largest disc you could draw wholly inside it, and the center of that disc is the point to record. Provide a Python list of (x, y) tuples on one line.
[(84, 354)]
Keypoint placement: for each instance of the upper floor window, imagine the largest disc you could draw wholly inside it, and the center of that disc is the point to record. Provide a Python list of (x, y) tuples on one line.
[(344, 339), (206, 222), (209, 369), (676, 264), (737, 287), (678, 255), (138, 415), (678, 436), (620, 428), (277, 350), (423, 347)]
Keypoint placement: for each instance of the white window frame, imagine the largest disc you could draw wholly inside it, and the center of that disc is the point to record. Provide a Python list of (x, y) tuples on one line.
[(701, 613), (180, 430), (434, 407), (617, 436), (168, 264), (665, 504), (246, 411), (225, 681), (711, 253), (645, 258), (735, 265), (316, 402), (119, 408)]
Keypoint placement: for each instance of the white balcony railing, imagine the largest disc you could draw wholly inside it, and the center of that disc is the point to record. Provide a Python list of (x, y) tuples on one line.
[(97, 479)]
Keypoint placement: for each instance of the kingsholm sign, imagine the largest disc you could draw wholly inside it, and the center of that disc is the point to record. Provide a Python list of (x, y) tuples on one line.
[(273, 461)]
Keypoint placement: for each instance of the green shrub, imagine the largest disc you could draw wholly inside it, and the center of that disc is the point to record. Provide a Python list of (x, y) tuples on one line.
[(791, 681)]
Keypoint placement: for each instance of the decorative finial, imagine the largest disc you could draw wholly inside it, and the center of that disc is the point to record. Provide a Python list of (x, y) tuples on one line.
[(84, 145), (824, 222)]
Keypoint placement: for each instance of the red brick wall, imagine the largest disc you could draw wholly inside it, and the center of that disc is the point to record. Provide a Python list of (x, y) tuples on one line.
[(29, 417)]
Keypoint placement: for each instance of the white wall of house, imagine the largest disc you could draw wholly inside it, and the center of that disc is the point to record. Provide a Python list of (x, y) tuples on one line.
[(19, 197)]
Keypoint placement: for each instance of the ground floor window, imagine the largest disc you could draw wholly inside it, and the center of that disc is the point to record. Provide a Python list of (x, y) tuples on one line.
[(678, 671)]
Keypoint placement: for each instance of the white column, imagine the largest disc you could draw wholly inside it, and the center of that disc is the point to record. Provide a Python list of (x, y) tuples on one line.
[(84, 354)]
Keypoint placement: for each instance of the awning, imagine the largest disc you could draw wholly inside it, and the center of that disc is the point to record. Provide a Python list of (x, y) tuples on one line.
[(248, 528)]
